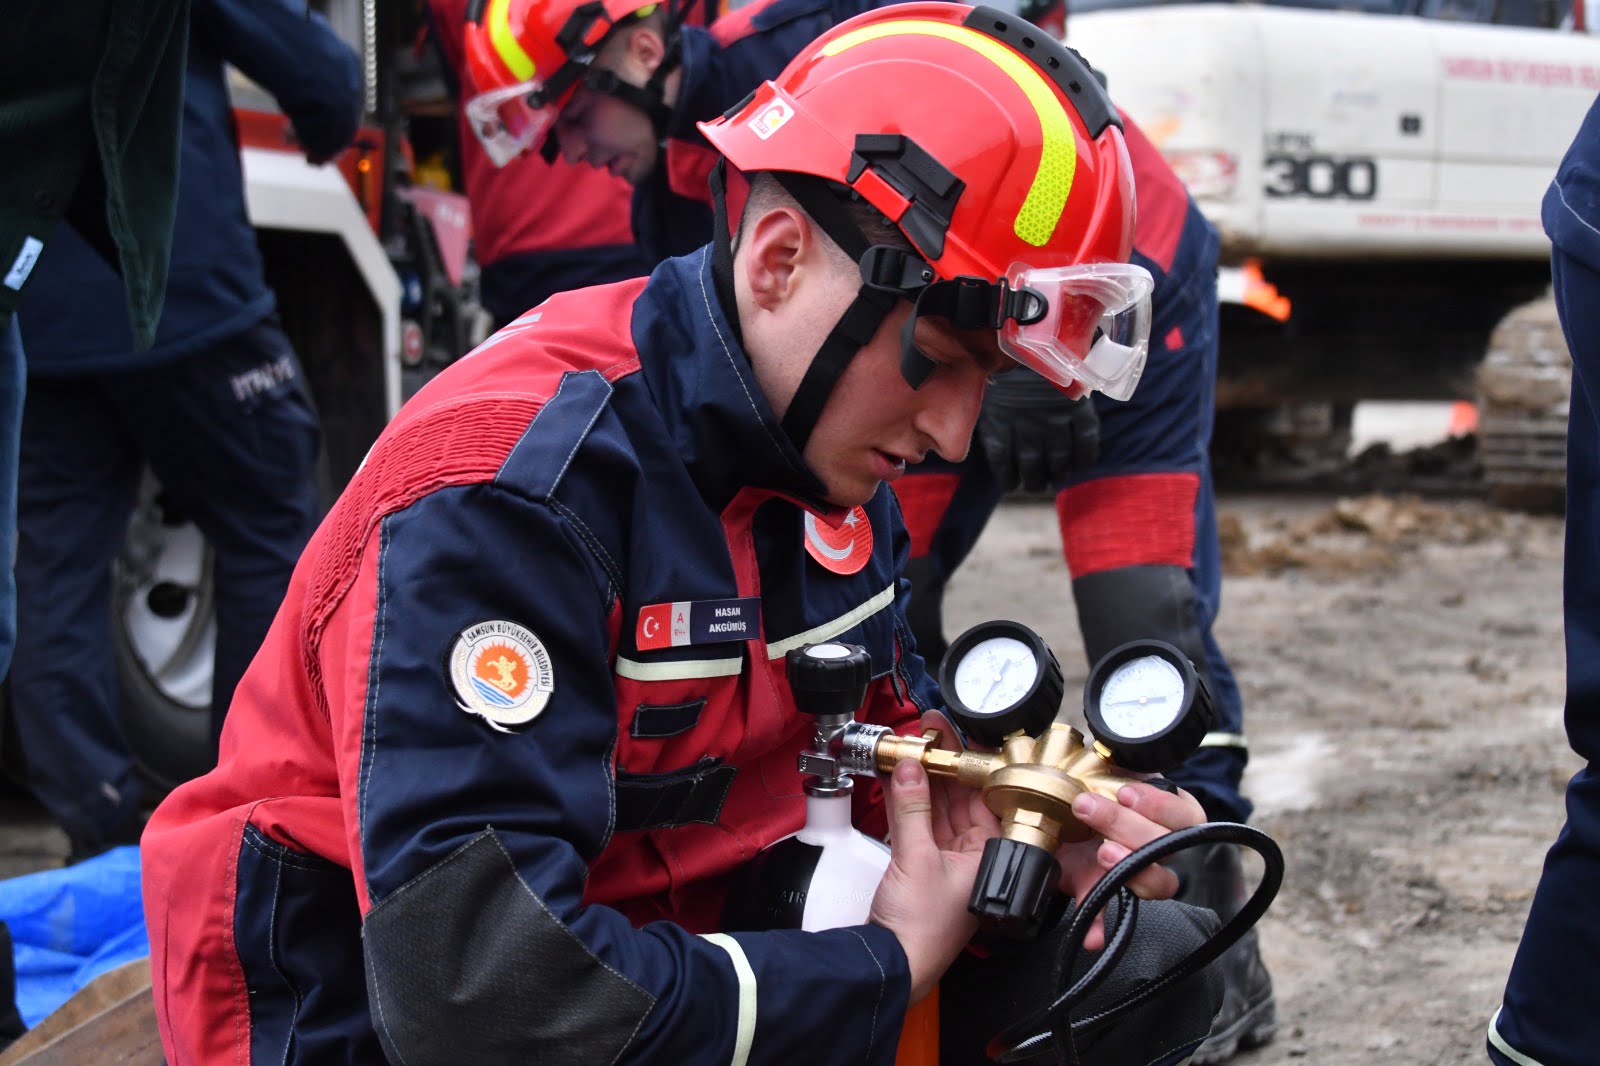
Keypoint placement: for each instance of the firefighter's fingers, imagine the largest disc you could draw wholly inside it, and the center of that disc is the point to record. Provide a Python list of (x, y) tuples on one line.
[(909, 803), (1153, 882), (1175, 810), (1140, 814)]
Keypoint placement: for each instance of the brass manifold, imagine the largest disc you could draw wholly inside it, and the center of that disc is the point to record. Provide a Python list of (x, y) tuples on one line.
[(1029, 783)]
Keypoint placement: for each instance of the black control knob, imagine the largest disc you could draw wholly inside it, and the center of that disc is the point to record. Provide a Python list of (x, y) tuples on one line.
[(829, 678), (1016, 885)]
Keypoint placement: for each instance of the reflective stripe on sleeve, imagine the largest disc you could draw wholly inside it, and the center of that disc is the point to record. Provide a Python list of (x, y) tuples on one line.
[(747, 996), (1223, 740)]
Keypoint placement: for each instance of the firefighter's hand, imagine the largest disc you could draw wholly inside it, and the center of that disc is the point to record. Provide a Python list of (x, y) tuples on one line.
[(936, 843), (1140, 814), (1033, 434)]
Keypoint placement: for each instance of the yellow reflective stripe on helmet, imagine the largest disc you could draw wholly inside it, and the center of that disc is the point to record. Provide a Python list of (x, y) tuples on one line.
[(506, 45), (1047, 197)]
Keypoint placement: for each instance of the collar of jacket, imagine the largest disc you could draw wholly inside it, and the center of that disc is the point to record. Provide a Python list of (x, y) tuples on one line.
[(707, 394), (700, 98)]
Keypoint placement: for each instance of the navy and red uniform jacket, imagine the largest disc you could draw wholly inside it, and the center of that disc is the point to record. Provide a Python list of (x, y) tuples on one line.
[(371, 864), (720, 65), (537, 227)]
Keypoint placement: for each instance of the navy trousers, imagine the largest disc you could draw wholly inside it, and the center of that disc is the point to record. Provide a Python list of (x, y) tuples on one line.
[(232, 438), (1549, 1016)]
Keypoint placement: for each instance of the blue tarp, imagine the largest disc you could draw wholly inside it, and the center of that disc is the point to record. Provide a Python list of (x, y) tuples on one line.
[(71, 925)]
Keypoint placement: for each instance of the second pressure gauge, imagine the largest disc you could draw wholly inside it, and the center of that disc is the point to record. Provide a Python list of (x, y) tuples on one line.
[(1147, 703), (998, 678)]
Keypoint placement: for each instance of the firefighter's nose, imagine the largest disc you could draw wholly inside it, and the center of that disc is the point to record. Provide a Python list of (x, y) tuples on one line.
[(949, 414)]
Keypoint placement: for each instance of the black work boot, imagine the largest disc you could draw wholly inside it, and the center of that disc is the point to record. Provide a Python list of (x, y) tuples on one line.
[(1213, 877)]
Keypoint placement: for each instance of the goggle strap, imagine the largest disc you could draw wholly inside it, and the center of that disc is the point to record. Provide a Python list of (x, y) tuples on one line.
[(977, 303), (647, 100), (850, 334), (894, 269)]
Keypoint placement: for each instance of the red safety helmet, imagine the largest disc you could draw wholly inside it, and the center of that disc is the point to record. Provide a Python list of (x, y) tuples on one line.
[(996, 151), (525, 59)]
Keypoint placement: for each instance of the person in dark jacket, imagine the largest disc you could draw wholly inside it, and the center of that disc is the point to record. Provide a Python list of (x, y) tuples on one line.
[(215, 407), (1548, 1017), (89, 114)]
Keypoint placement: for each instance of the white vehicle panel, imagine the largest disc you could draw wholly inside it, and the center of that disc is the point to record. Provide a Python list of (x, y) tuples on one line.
[(284, 191), (1191, 78), (1513, 99), (1350, 134)]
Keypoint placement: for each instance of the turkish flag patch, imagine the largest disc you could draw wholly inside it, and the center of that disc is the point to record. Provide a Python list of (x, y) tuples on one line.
[(844, 550)]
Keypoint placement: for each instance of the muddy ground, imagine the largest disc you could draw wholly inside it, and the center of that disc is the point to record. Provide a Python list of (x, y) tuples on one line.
[(1401, 665)]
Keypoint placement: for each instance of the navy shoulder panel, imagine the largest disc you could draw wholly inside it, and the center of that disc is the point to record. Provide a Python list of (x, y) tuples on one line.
[(542, 457)]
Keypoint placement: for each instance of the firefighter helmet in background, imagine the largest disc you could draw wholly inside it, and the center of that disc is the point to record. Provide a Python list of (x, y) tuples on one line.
[(526, 58), (1000, 157)]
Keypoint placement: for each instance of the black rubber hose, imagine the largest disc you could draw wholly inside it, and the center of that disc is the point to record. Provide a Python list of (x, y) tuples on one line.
[(1051, 1026)]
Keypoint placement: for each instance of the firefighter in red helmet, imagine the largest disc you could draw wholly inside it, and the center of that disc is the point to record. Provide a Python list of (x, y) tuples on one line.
[(476, 802)]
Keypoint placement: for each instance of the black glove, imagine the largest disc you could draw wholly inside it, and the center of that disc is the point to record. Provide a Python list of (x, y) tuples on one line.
[(1032, 433), (980, 997)]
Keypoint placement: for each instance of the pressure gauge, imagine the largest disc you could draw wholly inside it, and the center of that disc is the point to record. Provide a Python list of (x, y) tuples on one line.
[(998, 678), (1147, 703)]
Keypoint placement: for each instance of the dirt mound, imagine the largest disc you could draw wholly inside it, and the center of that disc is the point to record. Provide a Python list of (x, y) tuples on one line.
[(1355, 535)]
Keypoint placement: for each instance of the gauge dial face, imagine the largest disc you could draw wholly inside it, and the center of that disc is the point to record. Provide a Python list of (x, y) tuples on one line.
[(995, 675), (1142, 697)]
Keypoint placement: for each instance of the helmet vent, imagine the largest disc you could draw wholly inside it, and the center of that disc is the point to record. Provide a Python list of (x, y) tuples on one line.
[(1059, 63)]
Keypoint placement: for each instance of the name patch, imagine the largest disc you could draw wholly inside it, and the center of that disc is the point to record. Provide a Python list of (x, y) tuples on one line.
[(674, 625)]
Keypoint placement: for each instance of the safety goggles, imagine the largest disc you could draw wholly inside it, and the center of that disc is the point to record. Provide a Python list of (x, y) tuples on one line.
[(1086, 325), (509, 121)]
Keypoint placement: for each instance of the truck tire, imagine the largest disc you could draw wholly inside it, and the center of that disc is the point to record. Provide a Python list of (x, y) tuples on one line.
[(164, 625), (1524, 389)]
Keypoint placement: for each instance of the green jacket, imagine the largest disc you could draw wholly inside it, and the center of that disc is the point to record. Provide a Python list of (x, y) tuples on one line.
[(91, 103)]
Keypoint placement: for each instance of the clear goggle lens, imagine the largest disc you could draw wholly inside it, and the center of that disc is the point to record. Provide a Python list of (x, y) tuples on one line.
[(507, 123), (1094, 333)]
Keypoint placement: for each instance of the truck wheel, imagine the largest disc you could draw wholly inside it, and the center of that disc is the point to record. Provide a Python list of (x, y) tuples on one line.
[(164, 621)]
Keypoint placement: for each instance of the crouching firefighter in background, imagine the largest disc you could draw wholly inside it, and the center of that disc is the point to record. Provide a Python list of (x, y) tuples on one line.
[(1131, 480), (525, 715)]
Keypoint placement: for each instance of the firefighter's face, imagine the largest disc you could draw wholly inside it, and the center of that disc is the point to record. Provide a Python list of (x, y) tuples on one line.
[(793, 285), (598, 129), (604, 132), (874, 424)]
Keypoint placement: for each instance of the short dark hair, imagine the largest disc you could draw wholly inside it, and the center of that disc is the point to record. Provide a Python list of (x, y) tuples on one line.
[(766, 192)]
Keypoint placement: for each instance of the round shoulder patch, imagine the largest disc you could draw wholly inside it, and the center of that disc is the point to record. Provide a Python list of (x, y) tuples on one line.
[(501, 672), (844, 550)]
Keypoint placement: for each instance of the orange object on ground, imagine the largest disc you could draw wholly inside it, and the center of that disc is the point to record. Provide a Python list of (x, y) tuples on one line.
[(919, 1039)]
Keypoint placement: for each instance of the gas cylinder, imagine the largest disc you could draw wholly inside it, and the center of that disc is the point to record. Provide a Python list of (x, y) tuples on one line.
[(825, 875)]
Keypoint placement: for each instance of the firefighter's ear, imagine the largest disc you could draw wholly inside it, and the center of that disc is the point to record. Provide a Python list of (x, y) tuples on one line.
[(774, 247), (647, 49)]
